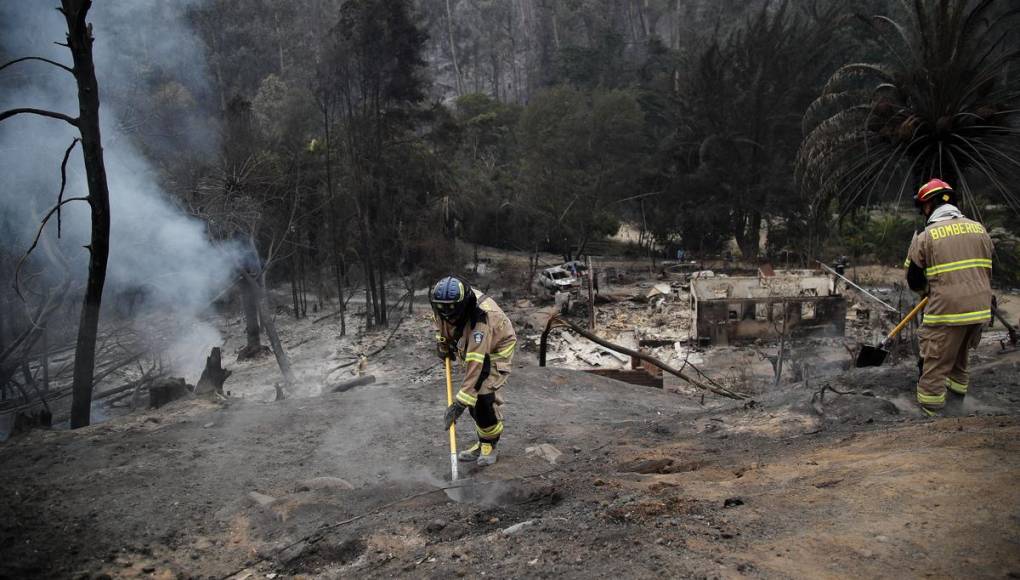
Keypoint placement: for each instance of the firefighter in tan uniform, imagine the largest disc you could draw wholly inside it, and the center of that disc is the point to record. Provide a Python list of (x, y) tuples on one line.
[(470, 326), (951, 261)]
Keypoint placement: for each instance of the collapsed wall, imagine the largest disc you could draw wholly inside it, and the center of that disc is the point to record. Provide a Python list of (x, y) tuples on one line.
[(734, 310)]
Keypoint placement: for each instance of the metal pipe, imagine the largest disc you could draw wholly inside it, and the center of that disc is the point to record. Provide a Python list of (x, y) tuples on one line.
[(866, 293)]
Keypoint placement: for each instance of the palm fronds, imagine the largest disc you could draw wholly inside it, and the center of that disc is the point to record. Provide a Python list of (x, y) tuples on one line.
[(943, 100)]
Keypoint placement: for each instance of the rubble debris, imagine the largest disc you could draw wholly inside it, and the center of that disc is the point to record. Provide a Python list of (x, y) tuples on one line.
[(704, 382), (733, 502), (662, 289), (732, 310), (544, 451), (563, 302)]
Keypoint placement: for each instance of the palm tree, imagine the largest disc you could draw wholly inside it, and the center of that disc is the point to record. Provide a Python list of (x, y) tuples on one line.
[(943, 101)]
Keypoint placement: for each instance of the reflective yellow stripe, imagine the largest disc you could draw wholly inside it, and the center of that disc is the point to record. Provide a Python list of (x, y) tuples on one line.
[(466, 398), (931, 399), (962, 318), (506, 352), (474, 357), (906, 263), (491, 431), (960, 265), (958, 388)]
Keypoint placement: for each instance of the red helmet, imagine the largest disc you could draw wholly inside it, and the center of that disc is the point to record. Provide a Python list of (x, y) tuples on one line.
[(929, 192)]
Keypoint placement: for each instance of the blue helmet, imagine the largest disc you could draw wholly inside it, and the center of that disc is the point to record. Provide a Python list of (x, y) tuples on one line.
[(451, 297)]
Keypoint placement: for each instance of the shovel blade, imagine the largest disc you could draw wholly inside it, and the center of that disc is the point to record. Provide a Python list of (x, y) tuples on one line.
[(871, 356)]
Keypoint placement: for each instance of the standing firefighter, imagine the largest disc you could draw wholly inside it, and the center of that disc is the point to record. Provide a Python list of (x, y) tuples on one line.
[(951, 261), (471, 326)]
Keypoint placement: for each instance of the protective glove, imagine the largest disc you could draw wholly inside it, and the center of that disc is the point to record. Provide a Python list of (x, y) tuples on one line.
[(443, 347), (453, 412)]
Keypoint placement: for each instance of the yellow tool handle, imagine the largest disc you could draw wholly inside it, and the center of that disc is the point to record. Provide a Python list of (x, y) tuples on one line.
[(453, 427), (907, 319)]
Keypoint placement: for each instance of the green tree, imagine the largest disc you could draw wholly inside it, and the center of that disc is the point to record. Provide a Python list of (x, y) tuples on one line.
[(579, 154), (736, 115)]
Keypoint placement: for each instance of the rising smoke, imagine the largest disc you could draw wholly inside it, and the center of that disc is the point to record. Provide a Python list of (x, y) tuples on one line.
[(153, 87)]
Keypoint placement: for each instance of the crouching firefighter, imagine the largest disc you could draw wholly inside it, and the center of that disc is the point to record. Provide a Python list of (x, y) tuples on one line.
[(470, 325), (951, 262)]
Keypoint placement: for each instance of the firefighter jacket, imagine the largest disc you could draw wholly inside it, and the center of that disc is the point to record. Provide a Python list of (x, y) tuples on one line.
[(486, 347), (955, 254)]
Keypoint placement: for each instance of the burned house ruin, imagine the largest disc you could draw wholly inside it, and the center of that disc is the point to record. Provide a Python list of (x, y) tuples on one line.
[(733, 310)]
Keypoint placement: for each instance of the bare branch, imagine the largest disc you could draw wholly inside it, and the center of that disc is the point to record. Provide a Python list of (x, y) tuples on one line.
[(39, 58), (35, 242), (63, 183), (73, 121)]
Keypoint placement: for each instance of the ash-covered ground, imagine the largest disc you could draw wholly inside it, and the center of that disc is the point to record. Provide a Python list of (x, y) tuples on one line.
[(833, 477)]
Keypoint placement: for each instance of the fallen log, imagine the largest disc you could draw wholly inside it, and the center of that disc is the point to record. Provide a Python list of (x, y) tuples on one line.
[(348, 385), (326, 317), (127, 386)]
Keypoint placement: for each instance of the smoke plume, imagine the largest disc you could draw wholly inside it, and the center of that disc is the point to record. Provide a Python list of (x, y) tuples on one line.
[(153, 89)]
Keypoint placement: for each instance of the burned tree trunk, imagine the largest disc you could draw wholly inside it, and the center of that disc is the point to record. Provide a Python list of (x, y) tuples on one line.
[(213, 376), (269, 325), (254, 281), (250, 304), (79, 41), (294, 288)]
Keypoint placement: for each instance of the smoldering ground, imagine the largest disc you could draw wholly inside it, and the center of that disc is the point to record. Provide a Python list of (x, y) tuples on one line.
[(153, 97)]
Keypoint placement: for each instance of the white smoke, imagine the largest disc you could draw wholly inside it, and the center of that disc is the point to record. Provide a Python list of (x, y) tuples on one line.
[(140, 44)]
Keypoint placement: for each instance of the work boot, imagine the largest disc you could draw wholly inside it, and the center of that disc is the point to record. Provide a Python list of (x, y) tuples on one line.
[(471, 453), (930, 412), (954, 405), (487, 455)]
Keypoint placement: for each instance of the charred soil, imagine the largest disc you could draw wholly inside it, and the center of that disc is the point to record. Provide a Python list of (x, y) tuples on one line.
[(836, 479)]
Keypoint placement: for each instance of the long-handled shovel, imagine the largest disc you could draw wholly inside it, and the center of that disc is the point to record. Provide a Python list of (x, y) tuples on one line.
[(874, 356), (453, 427)]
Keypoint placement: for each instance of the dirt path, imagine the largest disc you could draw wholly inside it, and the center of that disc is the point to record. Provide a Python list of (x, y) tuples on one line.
[(649, 484)]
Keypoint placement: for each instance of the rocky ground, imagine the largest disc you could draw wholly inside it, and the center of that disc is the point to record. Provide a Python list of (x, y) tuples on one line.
[(836, 478)]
